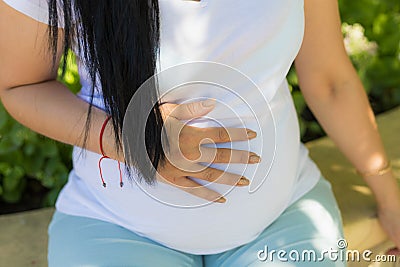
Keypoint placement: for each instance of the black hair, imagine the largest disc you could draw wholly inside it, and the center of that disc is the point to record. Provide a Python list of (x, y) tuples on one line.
[(119, 44)]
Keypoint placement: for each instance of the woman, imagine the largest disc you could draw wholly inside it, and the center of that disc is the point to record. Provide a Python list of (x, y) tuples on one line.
[(277, 201)]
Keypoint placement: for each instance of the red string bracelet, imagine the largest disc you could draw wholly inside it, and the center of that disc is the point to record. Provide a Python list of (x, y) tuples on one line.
[(103, 127)]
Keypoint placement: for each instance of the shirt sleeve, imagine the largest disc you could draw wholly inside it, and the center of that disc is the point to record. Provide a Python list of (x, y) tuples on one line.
[(36, 9)]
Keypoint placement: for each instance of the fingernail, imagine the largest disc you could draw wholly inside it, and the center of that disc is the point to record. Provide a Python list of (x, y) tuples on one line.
[(221, 200), (251, 134), (254, 159), (243, 181), (208, 103)]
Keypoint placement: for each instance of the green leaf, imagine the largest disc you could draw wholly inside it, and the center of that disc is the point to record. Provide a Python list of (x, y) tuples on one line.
[(303, 127), (13, 178), (5, 168), (29, 149), (292, 78), (7, 145), (11, 196), (34, 164), (3, 117), (51, 197), (299, 101), (49, 148)]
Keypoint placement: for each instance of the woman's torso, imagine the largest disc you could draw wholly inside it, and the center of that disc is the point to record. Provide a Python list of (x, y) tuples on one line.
[(239, 53)]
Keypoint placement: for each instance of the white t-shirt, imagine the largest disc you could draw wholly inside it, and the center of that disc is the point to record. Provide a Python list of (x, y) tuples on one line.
[(258, 39)]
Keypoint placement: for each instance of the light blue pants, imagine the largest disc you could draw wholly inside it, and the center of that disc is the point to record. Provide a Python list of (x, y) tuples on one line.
[(306, 234)]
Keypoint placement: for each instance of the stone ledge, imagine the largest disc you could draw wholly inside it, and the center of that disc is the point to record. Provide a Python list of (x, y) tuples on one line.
[(356, 202), (23, 236), (361, 226)]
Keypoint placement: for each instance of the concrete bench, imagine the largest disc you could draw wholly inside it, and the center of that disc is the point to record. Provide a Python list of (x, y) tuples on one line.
[(361, 226), (23, 236)]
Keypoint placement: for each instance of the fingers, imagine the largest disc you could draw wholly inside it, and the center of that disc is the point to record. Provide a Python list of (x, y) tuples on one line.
[(224, 135), (205, 135), (195, 189), (189, 110), (179, 178), (221, 177), (226, 155)]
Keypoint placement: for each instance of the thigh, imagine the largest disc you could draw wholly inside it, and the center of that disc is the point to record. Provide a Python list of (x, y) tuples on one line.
[(306, 233), (80, 241)]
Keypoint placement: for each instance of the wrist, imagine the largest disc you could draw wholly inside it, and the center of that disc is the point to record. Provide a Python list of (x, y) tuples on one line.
[(107, 144), (104, 128), (385, 168), (386, 190)]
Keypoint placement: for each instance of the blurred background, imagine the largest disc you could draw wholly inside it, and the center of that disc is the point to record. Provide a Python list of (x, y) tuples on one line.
[(33, 169)]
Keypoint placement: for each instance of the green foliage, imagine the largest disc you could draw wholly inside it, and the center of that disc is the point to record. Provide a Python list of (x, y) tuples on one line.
[(27, 155), (371, 30), (380, 71), (70, 77)]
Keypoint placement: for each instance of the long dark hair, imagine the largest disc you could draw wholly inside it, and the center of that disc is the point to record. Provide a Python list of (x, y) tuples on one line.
[(119, 43)]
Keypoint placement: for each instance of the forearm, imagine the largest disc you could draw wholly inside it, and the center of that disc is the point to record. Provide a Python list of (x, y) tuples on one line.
[(347, 118), (29, 92), (49, 108)]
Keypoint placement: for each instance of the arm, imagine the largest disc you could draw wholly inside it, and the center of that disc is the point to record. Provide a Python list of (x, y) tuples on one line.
[(30, 93), (336, 96), (28, 87)]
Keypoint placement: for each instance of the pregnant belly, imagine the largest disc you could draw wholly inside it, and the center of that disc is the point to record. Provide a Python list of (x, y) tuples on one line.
[(184, 222)]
